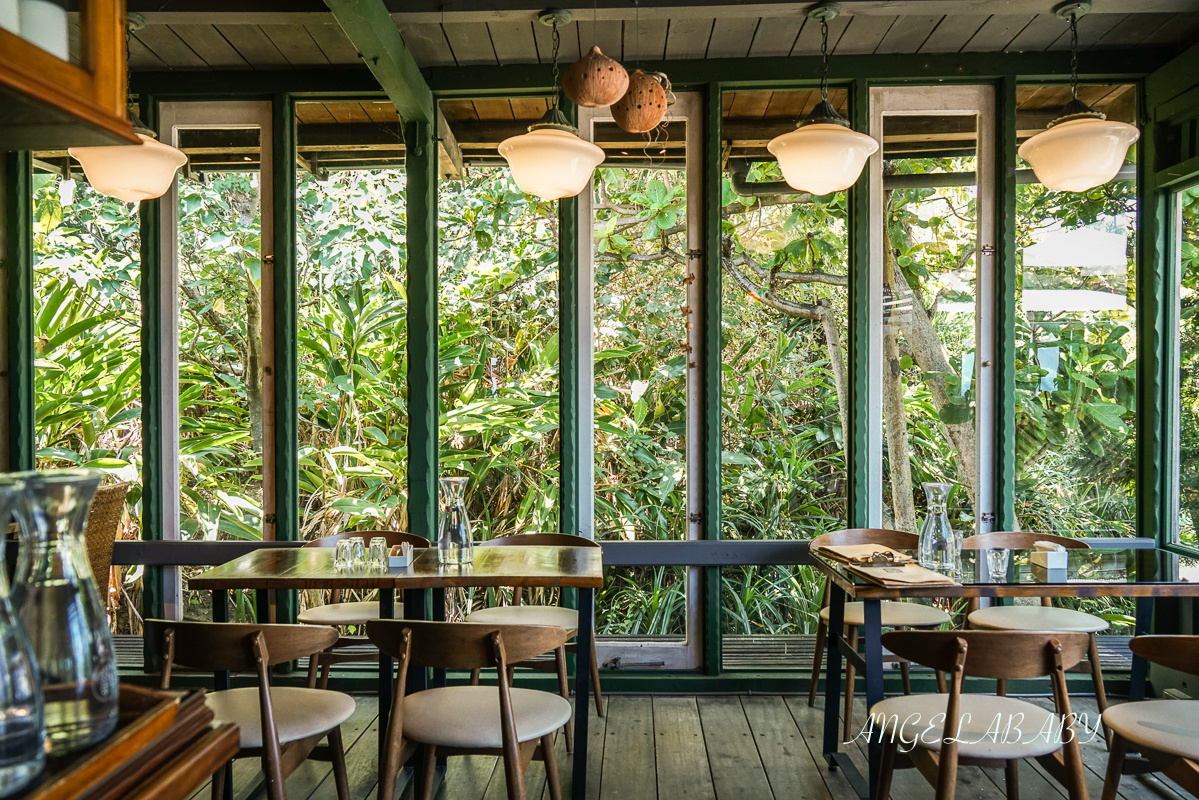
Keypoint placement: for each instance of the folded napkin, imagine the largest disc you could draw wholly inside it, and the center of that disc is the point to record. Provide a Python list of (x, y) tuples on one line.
[(905, 575), (861, 553)]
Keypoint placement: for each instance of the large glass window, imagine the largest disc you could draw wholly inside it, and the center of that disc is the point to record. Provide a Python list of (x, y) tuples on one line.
[(1076, 320), (1188, 369)]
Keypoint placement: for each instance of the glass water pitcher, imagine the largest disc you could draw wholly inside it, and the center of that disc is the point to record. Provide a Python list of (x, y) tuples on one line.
[(455, 545), (939, 548)]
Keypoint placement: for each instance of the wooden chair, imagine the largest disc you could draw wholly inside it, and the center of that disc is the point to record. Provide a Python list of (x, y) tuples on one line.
[(1165, 732), (519, 613), (103, 524), (282, 725), (998, 731), (1045, 617), (894, 614), (340, 615), (516, 724)]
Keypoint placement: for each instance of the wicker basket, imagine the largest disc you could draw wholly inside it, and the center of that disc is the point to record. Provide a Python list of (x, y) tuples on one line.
[(103, 522)]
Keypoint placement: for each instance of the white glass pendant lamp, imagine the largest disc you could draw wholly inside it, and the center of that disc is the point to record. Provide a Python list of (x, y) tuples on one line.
[(551, 161), (1082, 148), (131, 172), (823, 154)]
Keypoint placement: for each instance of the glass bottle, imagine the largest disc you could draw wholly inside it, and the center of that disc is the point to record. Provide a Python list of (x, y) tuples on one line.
[(22, 725), (62, 614), (454, 542), (940, 548)]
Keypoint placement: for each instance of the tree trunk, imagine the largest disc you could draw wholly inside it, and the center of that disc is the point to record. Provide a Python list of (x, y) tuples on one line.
[(836, 361), (895, 421), (253, 375)]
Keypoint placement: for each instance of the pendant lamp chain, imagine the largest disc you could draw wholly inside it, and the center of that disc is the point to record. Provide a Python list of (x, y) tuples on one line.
[(1073, 56), (824, 60), (556, 39)]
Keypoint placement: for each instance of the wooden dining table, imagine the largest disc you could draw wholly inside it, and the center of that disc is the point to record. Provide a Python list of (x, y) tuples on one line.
[(301, 568), (1089, 573)]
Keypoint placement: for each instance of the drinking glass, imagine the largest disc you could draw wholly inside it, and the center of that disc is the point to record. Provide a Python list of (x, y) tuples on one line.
[(342, 554), (998, 559), (378, 554), (358, 555)]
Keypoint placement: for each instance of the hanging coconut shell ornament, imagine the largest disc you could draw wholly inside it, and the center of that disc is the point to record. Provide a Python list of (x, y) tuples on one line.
[(595, 81), (643, 105)]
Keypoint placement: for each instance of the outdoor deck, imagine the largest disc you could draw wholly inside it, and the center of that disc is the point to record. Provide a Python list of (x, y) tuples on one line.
[(693, 748)]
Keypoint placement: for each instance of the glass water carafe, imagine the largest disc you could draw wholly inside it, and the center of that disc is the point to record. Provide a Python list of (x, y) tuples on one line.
[(455, 545), (939, 548), (61, 611), (22, 725)]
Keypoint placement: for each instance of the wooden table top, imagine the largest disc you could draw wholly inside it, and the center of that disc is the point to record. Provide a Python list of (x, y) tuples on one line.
[(312, 568), (1089, 573)]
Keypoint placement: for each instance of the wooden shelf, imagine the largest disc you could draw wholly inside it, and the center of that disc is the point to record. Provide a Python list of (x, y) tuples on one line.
[(50, 103)]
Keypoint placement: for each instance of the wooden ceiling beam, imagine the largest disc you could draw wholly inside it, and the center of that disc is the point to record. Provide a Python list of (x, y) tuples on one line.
[(369, 27)]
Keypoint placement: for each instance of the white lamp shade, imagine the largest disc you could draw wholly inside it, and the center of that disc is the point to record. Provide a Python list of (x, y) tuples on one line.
[(551, 163), (130, 172), (1079, 154), (822, 158)]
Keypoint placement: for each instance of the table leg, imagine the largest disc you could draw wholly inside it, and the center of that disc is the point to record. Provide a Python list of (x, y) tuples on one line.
[(584, 638), (1140, 667), (220, 680), (872, 636), (832, 673), (386, 611), (415, 603)]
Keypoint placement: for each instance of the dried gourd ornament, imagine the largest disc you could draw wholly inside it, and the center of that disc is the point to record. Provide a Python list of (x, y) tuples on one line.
[(643, 105), (595, 81)]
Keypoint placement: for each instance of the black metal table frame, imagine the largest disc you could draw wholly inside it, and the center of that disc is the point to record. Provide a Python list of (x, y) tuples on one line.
[(416, 602)]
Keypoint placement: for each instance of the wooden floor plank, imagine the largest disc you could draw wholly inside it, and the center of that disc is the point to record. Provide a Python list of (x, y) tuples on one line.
[(737, 771), (790, 769), (810, 723), (682, 761), (629, 766), (313, 780)]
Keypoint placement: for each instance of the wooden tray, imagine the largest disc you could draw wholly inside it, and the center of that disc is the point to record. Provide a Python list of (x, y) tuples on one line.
[(144, 715)]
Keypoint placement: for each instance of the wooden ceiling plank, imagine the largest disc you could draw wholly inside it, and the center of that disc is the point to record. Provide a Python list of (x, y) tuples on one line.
[(863, 34), (1039, 34), (997, 33), (731, 37), (208, 43), (606, 34), (296, 45), (528, 108), (1092, 28), (776, 36), (645, 39), (952, 33), (808, 41), (1132, 30), (380, 111), (332, 41), (142, 57), (909, 33), (455, 110), (470, 43), (313, 113), (688, 38), (253, 45), (1181, 30), (167, 45), (750, 105), (513, 42), (788, 104), (427, 44), (371, 29), (493, 108)]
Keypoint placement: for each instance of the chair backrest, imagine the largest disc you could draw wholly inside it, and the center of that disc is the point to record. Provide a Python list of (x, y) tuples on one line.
[(897, 540), (990, 654), (103, 523), (393, 538), (1174, 652), (462, 645), (220, 646), (540, 539), (1019, 540)]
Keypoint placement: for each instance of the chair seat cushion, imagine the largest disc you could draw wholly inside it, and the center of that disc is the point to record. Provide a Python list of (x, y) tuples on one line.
[(894, 614), (299, 712), (566, 618), (345, 613), (1171, 726), (997, 727), (469, 716), (1036, 618)]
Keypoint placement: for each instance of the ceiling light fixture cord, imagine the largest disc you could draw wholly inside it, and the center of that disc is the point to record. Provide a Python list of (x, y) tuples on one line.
[(1074, 56), (556, 38), (824, 60)]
